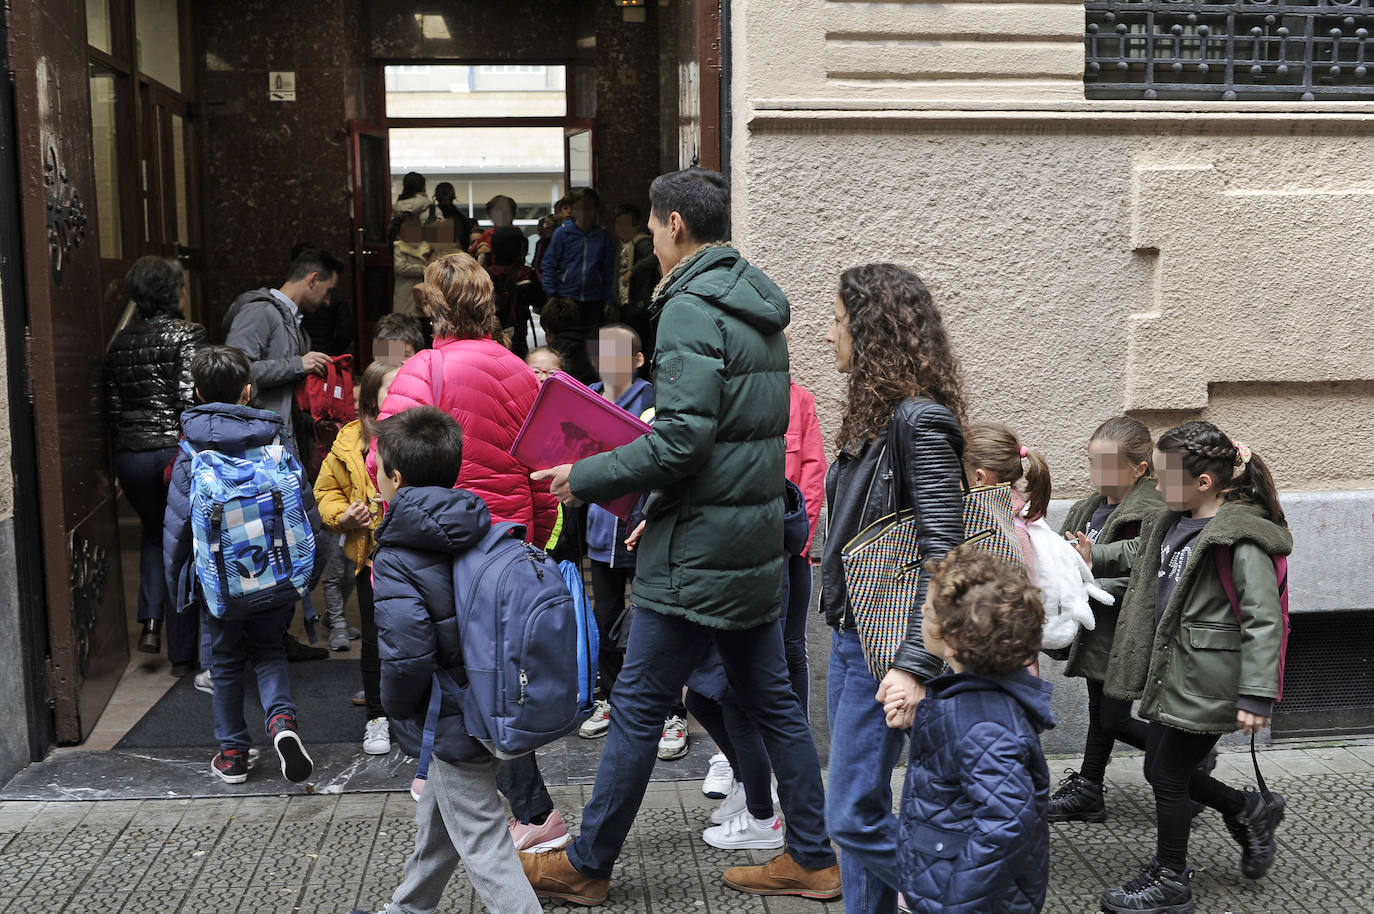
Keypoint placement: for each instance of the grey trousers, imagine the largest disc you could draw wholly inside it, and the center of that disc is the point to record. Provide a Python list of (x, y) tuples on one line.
[(461, 817), (337, 580)]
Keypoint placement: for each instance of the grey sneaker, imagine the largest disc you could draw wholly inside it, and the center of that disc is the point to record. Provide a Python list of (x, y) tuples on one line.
[(338, 639)]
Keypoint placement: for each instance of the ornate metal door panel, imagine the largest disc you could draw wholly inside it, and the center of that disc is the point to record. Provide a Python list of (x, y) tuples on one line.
[(68, 327)]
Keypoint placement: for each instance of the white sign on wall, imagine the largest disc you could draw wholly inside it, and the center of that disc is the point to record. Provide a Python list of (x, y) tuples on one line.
[(281, 85)]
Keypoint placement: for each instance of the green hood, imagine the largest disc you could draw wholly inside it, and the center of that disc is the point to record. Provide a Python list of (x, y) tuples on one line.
[(718, 274)]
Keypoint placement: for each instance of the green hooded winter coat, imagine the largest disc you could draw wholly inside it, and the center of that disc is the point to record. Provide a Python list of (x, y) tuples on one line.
[(1189, 670), (712, 549), (1090, 649)]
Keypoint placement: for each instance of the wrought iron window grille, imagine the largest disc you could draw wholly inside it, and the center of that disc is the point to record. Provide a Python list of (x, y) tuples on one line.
[(1270, 50)]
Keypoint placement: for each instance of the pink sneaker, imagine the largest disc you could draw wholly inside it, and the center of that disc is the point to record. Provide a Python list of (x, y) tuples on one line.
[(533, 839)]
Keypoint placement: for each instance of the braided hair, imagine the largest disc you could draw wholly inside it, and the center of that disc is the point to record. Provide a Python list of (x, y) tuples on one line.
[(1242, 475)]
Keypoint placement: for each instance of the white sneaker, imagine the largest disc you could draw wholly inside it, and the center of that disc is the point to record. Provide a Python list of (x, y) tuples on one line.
[(377, 736), (203, 682), (719, 778), (733, 804), (673, 743), (744, 831), (598, 723)]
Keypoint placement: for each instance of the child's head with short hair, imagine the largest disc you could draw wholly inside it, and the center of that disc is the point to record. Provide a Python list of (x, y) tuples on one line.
[(545, 360), (222, 374), (397, 337), (619, 354), (422, 446), (372, 391), (994, 455), (982, 614)]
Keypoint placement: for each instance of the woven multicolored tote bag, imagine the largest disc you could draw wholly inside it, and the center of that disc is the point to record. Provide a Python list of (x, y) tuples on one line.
[(882, 567)]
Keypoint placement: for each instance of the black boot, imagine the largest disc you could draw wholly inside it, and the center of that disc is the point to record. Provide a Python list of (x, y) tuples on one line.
[(1156, 890), (1253, 828), (297, 652), (1077, 800), (150, 642)]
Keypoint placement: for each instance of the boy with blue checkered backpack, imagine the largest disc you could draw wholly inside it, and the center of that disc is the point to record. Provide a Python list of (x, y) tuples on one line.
[(239, 545)]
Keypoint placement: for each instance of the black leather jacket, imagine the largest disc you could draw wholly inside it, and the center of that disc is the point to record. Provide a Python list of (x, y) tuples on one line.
[(148, 381), (859, 490)]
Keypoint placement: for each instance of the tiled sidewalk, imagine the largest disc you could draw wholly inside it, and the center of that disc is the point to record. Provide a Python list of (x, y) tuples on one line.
[(329, 853)]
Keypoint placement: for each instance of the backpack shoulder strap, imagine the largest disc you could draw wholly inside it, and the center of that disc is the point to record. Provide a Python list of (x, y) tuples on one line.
[(1221, 557)]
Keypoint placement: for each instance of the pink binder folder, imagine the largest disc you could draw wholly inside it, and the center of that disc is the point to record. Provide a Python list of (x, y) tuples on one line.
[(569, 422)]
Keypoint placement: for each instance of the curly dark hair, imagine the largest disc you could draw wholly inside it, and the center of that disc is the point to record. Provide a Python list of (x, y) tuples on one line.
[(900, 349), (987, 610), (1207, 449)]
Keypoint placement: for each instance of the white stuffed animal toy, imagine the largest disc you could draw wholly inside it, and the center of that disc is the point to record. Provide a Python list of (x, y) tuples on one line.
[(1066, 584)]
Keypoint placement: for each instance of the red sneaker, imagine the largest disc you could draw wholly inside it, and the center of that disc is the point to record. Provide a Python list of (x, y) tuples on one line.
[(230, 766), (296, 765)]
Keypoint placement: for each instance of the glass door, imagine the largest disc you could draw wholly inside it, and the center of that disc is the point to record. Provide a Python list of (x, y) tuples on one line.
[(168, 186), (579, 147)]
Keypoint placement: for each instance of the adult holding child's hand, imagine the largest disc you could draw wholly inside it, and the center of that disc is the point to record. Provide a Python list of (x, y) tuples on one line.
[(904, 392)]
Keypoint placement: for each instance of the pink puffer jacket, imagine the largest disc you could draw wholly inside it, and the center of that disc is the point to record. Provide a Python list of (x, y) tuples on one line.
[(489, 390)]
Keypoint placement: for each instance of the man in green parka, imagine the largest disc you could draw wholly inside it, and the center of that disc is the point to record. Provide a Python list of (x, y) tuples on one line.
[(710, 563)]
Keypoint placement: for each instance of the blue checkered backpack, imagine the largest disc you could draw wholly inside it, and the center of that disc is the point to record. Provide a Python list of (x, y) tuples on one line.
[(253, 545)]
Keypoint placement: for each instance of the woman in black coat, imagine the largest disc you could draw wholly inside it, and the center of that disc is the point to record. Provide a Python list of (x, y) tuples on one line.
[(147, 387), (900, 445)]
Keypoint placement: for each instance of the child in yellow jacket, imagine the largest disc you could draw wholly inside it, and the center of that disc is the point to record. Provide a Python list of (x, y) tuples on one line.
[(351, 507)]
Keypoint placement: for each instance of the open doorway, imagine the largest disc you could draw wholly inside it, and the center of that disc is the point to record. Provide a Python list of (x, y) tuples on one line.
[(474, 132)]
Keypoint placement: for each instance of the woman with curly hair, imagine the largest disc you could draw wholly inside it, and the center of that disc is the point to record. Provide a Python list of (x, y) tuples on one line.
[(900, 445)]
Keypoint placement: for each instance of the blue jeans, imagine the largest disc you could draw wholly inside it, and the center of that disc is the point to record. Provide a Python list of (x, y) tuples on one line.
[(863, 753), (233, 644), (140, 476), (662, 652)]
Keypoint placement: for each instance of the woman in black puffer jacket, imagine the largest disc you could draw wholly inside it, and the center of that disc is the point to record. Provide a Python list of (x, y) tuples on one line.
[(147, 387)]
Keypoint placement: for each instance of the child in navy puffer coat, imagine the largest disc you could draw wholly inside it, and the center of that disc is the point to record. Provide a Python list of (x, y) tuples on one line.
[(460, 816), (974, 838)]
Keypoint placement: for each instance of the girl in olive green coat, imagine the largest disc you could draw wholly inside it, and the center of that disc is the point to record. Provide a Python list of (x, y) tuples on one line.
[(1119, 454), (1200, 665)]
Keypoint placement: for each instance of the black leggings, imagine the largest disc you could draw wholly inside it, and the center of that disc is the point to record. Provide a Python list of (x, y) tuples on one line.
[(371, 662), (1109, 720), (742, 745), (1172, 758)]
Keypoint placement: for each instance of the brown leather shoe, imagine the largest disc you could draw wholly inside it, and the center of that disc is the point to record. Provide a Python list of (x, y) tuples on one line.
[(553, 876), (784, 876)]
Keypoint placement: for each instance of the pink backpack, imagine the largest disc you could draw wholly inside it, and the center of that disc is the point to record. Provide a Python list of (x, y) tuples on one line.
[(1222, 556)]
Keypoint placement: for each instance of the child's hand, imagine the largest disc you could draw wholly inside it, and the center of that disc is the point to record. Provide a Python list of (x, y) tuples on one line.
[(1250, 723), (899, 693), (355, 517), (1083, 545)]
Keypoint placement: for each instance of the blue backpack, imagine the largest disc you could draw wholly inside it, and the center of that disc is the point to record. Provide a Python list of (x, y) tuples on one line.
[(253, 547), (522, 636)]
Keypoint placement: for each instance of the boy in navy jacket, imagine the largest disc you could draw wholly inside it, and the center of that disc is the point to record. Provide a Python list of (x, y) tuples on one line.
[(460, 816), (580, 268), (973, 833), (224, 423)]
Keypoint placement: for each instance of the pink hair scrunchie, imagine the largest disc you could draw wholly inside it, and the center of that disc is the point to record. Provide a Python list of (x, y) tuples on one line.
[(1024, 452)]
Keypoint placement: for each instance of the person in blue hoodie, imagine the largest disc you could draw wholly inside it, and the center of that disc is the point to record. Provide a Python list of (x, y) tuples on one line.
[(973, 832), (579, 277), (460, 816), (620, 355), (223, 384)]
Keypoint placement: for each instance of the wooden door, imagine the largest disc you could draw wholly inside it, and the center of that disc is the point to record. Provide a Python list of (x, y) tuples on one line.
[(170, 187), (700, 84), (371, 242), (68, 325)]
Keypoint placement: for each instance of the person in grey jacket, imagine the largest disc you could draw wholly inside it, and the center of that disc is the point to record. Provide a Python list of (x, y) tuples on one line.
[(266, 325)]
